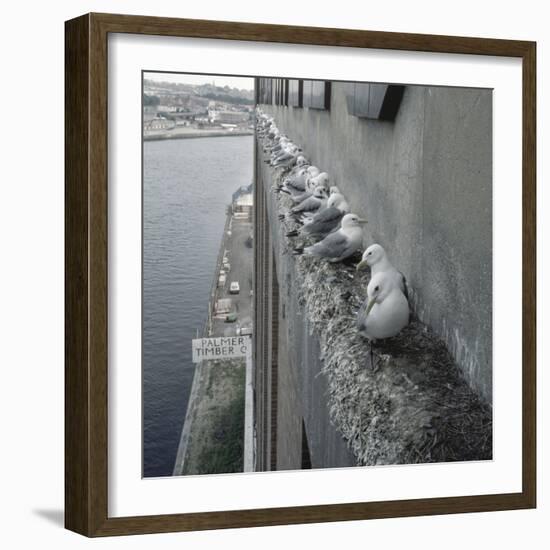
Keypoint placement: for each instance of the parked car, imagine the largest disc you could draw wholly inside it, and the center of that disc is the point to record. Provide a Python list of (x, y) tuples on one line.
[(231, 317), (234, 287), (244, 331)]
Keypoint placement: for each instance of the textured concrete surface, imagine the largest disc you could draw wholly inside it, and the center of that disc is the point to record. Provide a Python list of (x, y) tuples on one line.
[(302, 389), (412, 405), (424, 182)]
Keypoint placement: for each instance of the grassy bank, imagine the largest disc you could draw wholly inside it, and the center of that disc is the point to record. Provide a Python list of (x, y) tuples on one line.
[(216, 440)]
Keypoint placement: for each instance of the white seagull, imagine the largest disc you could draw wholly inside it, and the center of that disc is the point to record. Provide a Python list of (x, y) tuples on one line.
[(385, 312), (312, 203), (325, 221), (318, 179), (376, 258), (339, 245)]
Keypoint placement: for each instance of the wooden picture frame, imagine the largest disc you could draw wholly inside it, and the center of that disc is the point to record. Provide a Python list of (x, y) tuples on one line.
[(86, 282)]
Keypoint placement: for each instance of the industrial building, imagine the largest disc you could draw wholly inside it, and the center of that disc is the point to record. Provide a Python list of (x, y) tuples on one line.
[(416, 162)]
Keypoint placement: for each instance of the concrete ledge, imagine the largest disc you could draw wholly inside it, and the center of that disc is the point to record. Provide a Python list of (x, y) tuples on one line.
[(416, 407)]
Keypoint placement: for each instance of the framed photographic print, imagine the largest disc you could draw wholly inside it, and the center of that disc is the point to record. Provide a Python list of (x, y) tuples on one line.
[(300, 275)]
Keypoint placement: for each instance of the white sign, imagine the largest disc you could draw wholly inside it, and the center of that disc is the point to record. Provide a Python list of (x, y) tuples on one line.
[(223, 347)]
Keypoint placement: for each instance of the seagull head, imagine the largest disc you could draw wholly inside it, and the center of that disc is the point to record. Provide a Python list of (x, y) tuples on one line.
[(372, 255), (320, 192), (322, 179), (313, 171), (335, 199), (377, 290), (352, 220)]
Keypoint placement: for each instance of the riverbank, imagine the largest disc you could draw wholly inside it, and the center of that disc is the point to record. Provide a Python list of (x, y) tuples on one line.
[(212, 438), (192, 133)]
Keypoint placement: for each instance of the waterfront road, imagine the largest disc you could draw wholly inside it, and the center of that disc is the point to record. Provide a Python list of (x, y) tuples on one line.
[(240, 255)]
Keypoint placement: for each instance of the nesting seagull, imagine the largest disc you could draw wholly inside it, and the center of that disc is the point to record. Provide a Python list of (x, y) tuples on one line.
[(326, 221), (311, 204), (318, 179), (339, 245), (295, 183), (385, 312), (298, 182), (376, 258)]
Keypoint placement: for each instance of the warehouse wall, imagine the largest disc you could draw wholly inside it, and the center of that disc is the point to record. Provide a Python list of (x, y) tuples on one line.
[(424, 183), (291, 396)]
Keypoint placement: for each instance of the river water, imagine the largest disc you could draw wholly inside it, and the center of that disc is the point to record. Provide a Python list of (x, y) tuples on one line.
[(187, 184)]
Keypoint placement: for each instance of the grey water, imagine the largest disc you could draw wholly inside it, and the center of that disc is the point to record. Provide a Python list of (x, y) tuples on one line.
[(187, 185)]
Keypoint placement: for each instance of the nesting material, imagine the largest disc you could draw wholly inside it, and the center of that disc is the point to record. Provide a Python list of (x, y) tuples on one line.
[(412, 405)]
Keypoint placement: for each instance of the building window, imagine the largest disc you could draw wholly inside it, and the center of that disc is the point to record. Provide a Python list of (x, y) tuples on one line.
[(316, 94), (374, 101), (295, 93), (265, 95)]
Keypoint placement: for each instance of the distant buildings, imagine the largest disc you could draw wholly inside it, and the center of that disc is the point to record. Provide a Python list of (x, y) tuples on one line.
[(158, 124), (173, 106), (228, 117)]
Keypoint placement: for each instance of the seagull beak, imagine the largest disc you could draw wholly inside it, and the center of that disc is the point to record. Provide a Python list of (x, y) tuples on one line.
[(370, 305), (361, 265), (362, 221)]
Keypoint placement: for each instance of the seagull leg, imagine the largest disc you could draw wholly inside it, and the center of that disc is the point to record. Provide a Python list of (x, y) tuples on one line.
[(374, 358), (371, 355)]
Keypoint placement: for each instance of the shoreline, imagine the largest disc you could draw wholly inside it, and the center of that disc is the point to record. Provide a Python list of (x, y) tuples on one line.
[(217, 435), (192, 405), (195, 135)]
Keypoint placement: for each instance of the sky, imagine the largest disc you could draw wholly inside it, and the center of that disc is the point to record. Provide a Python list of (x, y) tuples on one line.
[(242, 83)]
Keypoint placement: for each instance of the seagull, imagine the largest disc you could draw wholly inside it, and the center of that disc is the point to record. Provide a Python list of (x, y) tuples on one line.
[(385, 312), (321, 182), (326, 221), (299, 197), (301, 161), (377, 259), (339, 245), (319, 179), (311, 204), (296, 183)]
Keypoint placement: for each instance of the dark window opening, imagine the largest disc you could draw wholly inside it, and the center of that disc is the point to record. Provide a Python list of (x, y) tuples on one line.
[(295, 93), (316, 94), (374, 101), (306, 457)]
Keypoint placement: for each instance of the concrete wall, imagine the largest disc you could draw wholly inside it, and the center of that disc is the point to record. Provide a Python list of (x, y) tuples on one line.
[(299, 394), (424, 182)]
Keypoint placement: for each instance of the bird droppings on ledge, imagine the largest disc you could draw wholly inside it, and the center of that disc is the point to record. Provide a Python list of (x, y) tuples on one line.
[(411, 404)]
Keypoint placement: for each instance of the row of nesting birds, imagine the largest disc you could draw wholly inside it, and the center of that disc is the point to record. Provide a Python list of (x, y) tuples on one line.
[(335, 232)]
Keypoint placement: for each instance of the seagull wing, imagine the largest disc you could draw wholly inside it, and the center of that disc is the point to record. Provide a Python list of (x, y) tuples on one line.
[(332, 246), (311, 203), (324, 222), (405, 289), (362, 317)]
